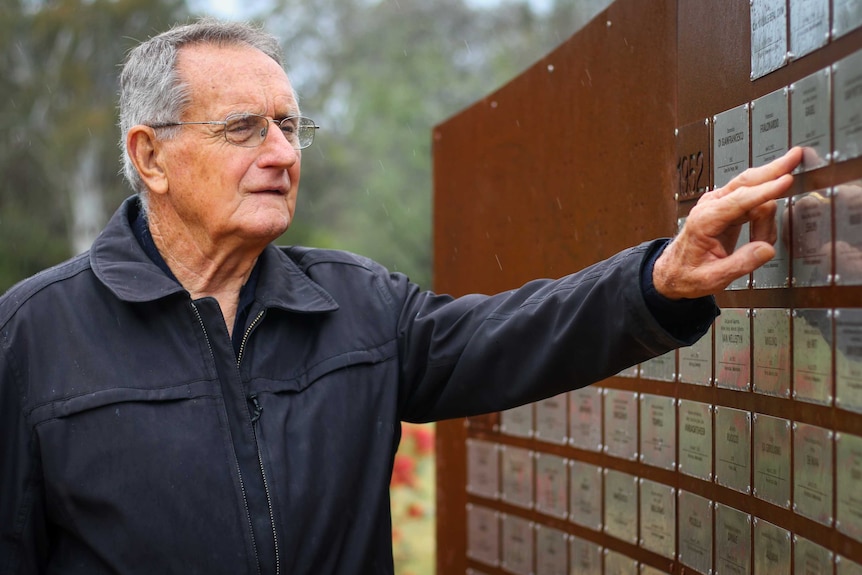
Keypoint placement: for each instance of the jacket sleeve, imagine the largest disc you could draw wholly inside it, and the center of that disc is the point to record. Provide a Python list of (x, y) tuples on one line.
[(23, 545), (478, 354)]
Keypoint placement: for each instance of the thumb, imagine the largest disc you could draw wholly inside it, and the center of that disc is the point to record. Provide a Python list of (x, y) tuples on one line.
[(749, 257)]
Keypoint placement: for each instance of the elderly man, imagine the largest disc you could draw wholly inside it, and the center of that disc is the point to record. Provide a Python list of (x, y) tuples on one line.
[(187, 398)]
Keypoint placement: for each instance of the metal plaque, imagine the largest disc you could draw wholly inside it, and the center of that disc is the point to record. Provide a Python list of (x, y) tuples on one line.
[(768, 36), (647, 570), (621, 499), (618, 564), (517, 421), (483, 535), (621, 423), (695, 532), (848, 359), (551, 551), (661, 368), (776, 272), (770, 131), (772, 440), (658, 518), (629, 372), (695, 361), (810, 127), (812, 355), (517, 469), (732, 541), (810, 558), (695, 439), (848, 470), (742, 282), (846, 16), (552, 485), (848, 232), (483, 468), (809, 26), (729, 145), (772, 351), (771, 549), (585, 557), (844, 566), (693, 161), (812, 239), (847, 86), (551, 423), (658, 431), (585, 418), (585, 494), (732, 349), (517, 545), (733, 448), (812, 472)]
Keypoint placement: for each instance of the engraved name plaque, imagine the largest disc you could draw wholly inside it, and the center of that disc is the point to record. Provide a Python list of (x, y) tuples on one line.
[(809, 26), (847, 83), (585, 418), (695, 361), (772, 351), (848, 359), (812, 239), (695, 439), (770, 132), (551, 420), (810, 127), (810, 558), (776, 272), (585, 494), (732, 351), (658, 518), (552, 485), (517, 421), (647, 570), (844, 566), (732, 541), (658, 431), (695, 532), (771, 549), (517, 545), (551, 551), (483, 535), (733, 448), (621, 424), (629, 372), (812, 472), (768, 36), (848, 232), (772, 459), (621, 498), (619, 564), (483, 468), (848, 473), (585, 557), (517, 468), (846, 16), (661, 368), (812, 355), (730, 144)]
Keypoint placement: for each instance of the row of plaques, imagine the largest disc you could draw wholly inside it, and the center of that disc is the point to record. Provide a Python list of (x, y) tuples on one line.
[(807, 22), (809, 469), (821, 113), (812, 355), (742, 542)]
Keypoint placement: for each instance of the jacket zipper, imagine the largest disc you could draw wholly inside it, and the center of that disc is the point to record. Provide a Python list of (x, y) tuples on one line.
[(238, 470), (258, 410)]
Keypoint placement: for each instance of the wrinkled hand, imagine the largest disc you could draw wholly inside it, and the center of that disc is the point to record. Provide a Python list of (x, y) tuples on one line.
[(701, 260)]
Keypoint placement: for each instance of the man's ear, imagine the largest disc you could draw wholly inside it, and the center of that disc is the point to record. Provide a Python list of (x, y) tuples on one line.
[(145, 152)]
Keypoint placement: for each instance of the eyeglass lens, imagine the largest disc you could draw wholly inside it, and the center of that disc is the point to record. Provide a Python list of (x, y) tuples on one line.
[(249, 130)]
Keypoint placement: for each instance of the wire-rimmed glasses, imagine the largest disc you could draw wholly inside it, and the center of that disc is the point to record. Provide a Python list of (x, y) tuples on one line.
[(250, 130)]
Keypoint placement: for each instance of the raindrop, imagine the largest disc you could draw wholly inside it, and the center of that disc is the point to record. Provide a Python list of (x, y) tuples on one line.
[(469, 50), (609, 23), (498, 261), (494, 104), (382, 167), (550, 67), (559, 204)]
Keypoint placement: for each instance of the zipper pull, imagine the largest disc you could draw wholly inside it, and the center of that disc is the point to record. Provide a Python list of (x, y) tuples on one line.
[(257, 409)]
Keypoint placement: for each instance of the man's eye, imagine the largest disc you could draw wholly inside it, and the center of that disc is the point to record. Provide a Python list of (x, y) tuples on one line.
[(240, 126), (288, 126)]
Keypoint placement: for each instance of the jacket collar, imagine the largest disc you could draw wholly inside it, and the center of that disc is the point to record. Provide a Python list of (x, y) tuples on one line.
[(120, 263)]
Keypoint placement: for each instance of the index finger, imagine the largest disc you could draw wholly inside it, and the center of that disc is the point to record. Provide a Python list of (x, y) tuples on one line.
[(762, 174)]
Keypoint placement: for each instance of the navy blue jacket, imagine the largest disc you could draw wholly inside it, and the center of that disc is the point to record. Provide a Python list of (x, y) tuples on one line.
[(135, 440)]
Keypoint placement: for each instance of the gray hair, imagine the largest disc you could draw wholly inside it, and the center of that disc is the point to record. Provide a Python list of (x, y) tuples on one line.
[(151, 90)]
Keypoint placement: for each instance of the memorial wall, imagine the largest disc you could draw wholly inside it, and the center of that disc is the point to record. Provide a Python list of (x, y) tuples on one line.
[(741, 454)]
